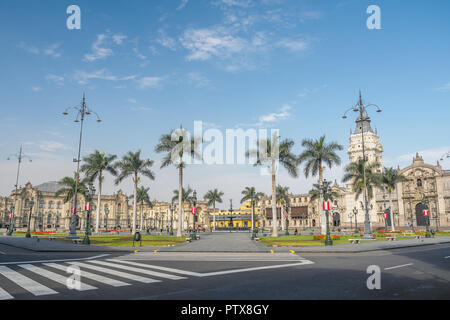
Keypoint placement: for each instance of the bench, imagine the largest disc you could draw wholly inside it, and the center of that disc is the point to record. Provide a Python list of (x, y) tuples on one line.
[(391, 238), (77, 241), (354, 241), (51, 237), (418, 237), (256, 239), (188, 239)]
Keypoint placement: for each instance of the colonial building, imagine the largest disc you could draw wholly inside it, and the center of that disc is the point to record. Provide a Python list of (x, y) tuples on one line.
[(50, 212), (239, 218)]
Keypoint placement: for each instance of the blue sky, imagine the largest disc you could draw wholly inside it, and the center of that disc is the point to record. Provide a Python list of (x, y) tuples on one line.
[(149, 66)]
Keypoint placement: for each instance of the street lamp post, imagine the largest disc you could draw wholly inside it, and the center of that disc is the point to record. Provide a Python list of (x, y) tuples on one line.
[(194, 213), (425, 205), (28, 235), (362, 119), (19, 157), (355, 212), (81, 112), (106, 218), (287, 219), (230, 224)]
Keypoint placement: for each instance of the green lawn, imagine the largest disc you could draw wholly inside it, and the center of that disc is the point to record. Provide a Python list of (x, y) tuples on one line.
[(307, 240)]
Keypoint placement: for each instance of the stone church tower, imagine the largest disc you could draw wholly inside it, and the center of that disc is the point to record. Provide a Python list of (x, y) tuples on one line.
[(373, 152)]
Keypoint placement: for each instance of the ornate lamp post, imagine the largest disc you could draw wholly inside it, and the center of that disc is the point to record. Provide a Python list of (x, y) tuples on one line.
[(425, 205), (194, 213), (89, 196), (363, 123), (355, 213), (286, 215), (81, 112), (106, 218), (28, 235), (19, 157)]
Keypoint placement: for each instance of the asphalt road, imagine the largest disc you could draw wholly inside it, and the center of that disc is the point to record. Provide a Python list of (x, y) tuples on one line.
[(412, 273)]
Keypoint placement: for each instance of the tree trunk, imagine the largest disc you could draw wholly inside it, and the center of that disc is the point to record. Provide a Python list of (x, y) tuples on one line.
[(97, 218), (134, 203), (253, 215), (142, 217), (323, 222), (274, 203), (391, 211), (214, 217), (180, 209)]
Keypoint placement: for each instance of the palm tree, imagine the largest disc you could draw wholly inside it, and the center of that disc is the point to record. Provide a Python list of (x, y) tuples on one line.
[(389, 178), (94, 166), (354, 173), (213, 196), (325, 192), (132, 165), (269, 152), (316, 154), (251, 195), (282, 199), (186, 196), (175, 144), (68, 188), (143, 198)]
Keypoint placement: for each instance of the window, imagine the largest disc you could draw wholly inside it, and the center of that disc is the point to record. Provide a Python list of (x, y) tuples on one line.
[(50, 205), (419, 182), (58, 205)]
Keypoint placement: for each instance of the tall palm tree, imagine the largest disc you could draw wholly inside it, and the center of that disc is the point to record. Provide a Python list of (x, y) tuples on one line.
[(68, 188), (354, 173), (132, 165), (175, 144), (266, 154), (186, 196), (283, 200), (389, 179), (143, 198), (213, 196), (325, 192), (94, 166), (251, 195), (316, 154)]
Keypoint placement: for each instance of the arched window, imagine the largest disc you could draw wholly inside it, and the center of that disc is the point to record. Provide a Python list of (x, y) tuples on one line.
[(49, 219), (50, 205), (419, 182), (27, 203), (58, 205), (41, 204)]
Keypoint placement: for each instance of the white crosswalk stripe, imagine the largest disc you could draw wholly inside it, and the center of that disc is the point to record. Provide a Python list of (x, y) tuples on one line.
[(139, 270), (28, 284), (188, 273), (5, 295), (92, 276), (54, 276), (115, 273)]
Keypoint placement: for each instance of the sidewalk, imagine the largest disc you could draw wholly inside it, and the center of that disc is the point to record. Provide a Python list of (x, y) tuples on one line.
[(42, 245)]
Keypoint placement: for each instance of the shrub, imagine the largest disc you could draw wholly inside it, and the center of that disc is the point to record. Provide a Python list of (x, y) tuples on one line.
[(336, 237), (319, 237)]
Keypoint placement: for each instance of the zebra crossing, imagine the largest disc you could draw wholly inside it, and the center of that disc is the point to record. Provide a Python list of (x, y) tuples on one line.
[(110, 272)]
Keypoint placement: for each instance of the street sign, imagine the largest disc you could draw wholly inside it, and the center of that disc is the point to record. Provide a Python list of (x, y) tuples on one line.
[(426, 212), (326, 205), (87, 206)]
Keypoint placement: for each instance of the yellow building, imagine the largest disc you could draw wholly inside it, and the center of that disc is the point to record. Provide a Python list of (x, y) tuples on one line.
[(241, 218)]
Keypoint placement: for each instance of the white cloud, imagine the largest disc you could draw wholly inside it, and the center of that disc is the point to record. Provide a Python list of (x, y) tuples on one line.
[(118, 38), (445, 87), (429, 156), (58, 80), (99, 52), (149, 82), (141, 109), (83, 77), (198, 80), (36, 89), (277, 116), (205, 43), (28, 48), (51, 50), (165, 40), (293, 45), (183, 4), (49, 146)]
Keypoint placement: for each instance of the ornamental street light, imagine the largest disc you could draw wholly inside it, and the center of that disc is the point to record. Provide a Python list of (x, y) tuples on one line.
[(89, 196), (81, 112), (355, 213), (19, 157), (171, 207), (287, 218), (194, 213), (106, 218), (363, 124), (28, 235), (445, 156), (425, 206)]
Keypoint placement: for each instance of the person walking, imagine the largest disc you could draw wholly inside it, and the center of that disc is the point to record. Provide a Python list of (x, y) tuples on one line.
[(296, 232)]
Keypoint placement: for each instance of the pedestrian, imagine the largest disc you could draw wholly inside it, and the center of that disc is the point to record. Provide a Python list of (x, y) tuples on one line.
[(296, 231)]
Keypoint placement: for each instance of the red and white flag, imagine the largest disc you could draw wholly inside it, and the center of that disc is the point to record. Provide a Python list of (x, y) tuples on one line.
[(10, 215), (87, 206), (426, 212), (326, 206), (193, 210)]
